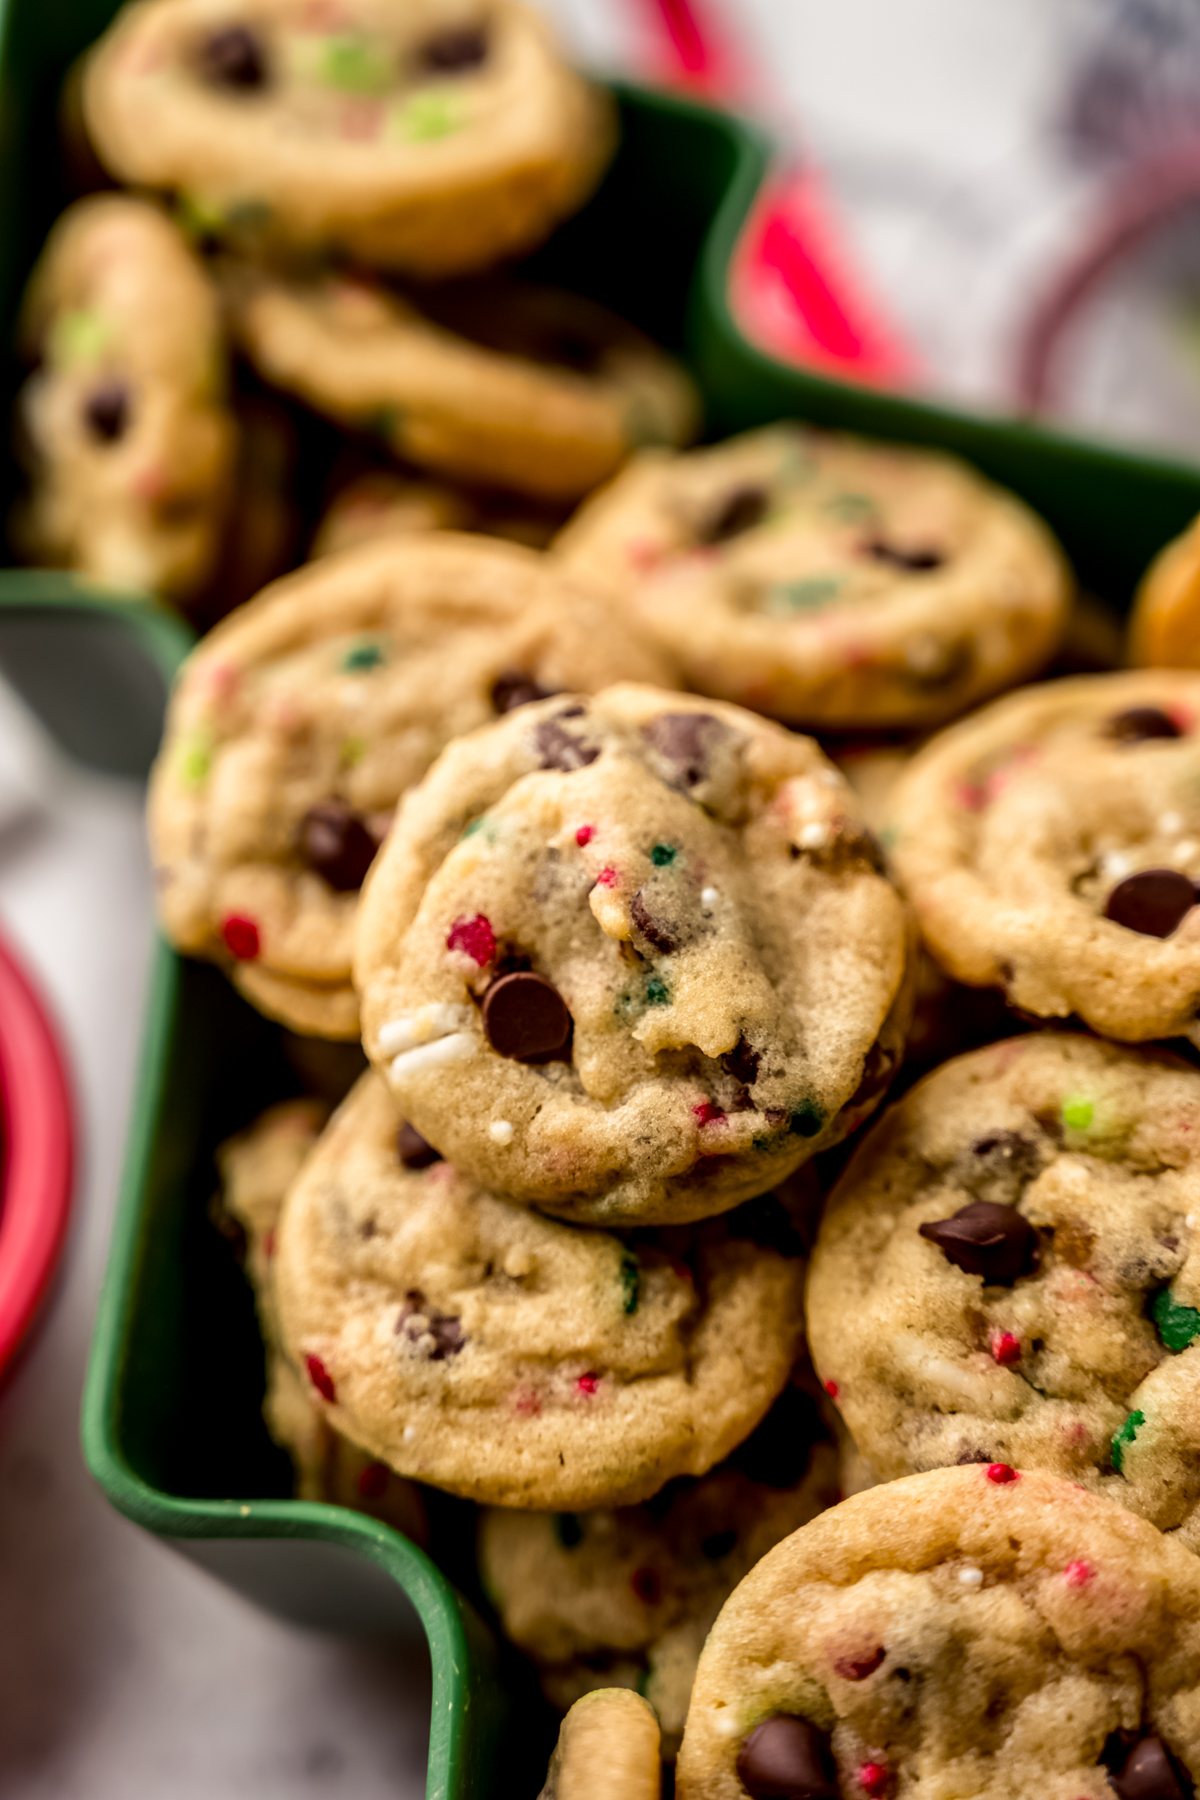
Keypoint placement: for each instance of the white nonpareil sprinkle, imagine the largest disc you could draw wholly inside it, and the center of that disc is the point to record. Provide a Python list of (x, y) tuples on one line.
[(409, 1433), (1170, 822), (1117, 864), (421, 1027), (813, 836), (500, 1131), (971, 1578), (708, 899), (454, 1048)]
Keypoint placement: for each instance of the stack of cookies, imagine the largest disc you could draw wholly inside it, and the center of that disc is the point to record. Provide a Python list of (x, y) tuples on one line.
[(828, 1468)]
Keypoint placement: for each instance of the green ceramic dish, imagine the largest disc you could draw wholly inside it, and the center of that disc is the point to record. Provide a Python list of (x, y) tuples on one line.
[(171, 1423)]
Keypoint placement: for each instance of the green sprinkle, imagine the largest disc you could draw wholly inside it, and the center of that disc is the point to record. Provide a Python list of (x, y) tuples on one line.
[(807, 1120), (787, 597), (361, 657), (199, 217), (663, 855), (383, 422), (851, 507), (352, 752), (433, 114), (249, 216), (631, 1281), (78, 336), (1077, 1112), (569, 1530), (356, 65), (657, 992), (473, 827), (195, 761), (1125, 1437), (1178, 1326)]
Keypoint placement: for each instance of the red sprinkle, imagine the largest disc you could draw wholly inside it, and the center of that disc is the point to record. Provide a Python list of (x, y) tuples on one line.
[(587, 1384), (320, 1377), (707, 1112), (241, 937), (1000, 1473), (269, 1244), (1006, 1347), (857, 1668), (528, 1402), (584, 835), (647, 1586), (474, 937), (373, 1480), (1078, 1574), (873, 1777), (607, 878), (831, 1388)]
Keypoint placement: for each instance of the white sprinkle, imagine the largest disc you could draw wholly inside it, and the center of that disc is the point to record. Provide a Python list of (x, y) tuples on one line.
[(454, 1048), (1190, 1221), (500, 1131), (971, 1578), (1117, 864), (1185, 848), (421, 1027), (813, 836), (409, 1433), (829, 777), (1171, 822), (708, 899)]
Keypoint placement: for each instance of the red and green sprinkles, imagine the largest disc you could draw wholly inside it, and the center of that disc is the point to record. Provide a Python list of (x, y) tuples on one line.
[(1178, 1326), (663, 855), (474, 938), (360, 658), (240, 937), (807, 1120), (1124, 1438)]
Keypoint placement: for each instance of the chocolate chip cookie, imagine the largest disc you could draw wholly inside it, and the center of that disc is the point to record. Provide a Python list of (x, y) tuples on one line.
[(298, 723), (125, 427), (528, 388), (1008, 1270), (826, 580), (513, 1359), (976, 1631), (1051, 847), (632, 959), (627, 1597), (607, 1750), (434, 137), (257, 1167)]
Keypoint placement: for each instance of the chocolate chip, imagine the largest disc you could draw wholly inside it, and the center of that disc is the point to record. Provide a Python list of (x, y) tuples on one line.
[(1138, 723), (786, 1758), (106, 411), (742, 1062), (525, 1017), (561, 749), (415, 1151), (879, 1066), (1150, 1772), (460, 47), (1154, 901), (418, 1320), (653, 930), (985, 1239), (914, 560), (569, 1530), (516, 688), (337, 845), (718, 1545), (233, 58), (684, 741), (776, 1452), (741, 511), (857, 1668)]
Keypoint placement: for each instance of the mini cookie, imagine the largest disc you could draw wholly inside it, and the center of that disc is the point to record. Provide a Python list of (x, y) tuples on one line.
[(538, 391), (434, 137), (827, 580), (607, 1750), (512, 1359), (628, 1597), (967, 1632), (257, 1167), (1051, 847), (1009, 1271), (632, 960), (1164, 626), (129, 441), (300, 720)]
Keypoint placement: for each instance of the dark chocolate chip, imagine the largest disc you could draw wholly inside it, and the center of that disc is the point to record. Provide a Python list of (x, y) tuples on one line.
[(1154, 901), (337, 845), (233, 58), (915, 560), (786, 1758), (1139, 723), (516, 688), (879, 1066), (526, 1017), (776, 1452), (718, 1545), (414, 1150), (653, 930), (684, 740), (743, 509), (1150, 1772), (742, 1062), (445, 1330), (106, 411), (460, 47), (569, 1530), (857, 1668), (561, 749), (985, 1239)]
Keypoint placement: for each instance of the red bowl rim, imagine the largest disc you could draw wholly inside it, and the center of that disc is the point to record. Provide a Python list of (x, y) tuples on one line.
[(38, 1153)]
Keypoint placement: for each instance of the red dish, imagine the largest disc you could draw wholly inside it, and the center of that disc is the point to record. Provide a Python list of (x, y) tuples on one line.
[(36, 1174)]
